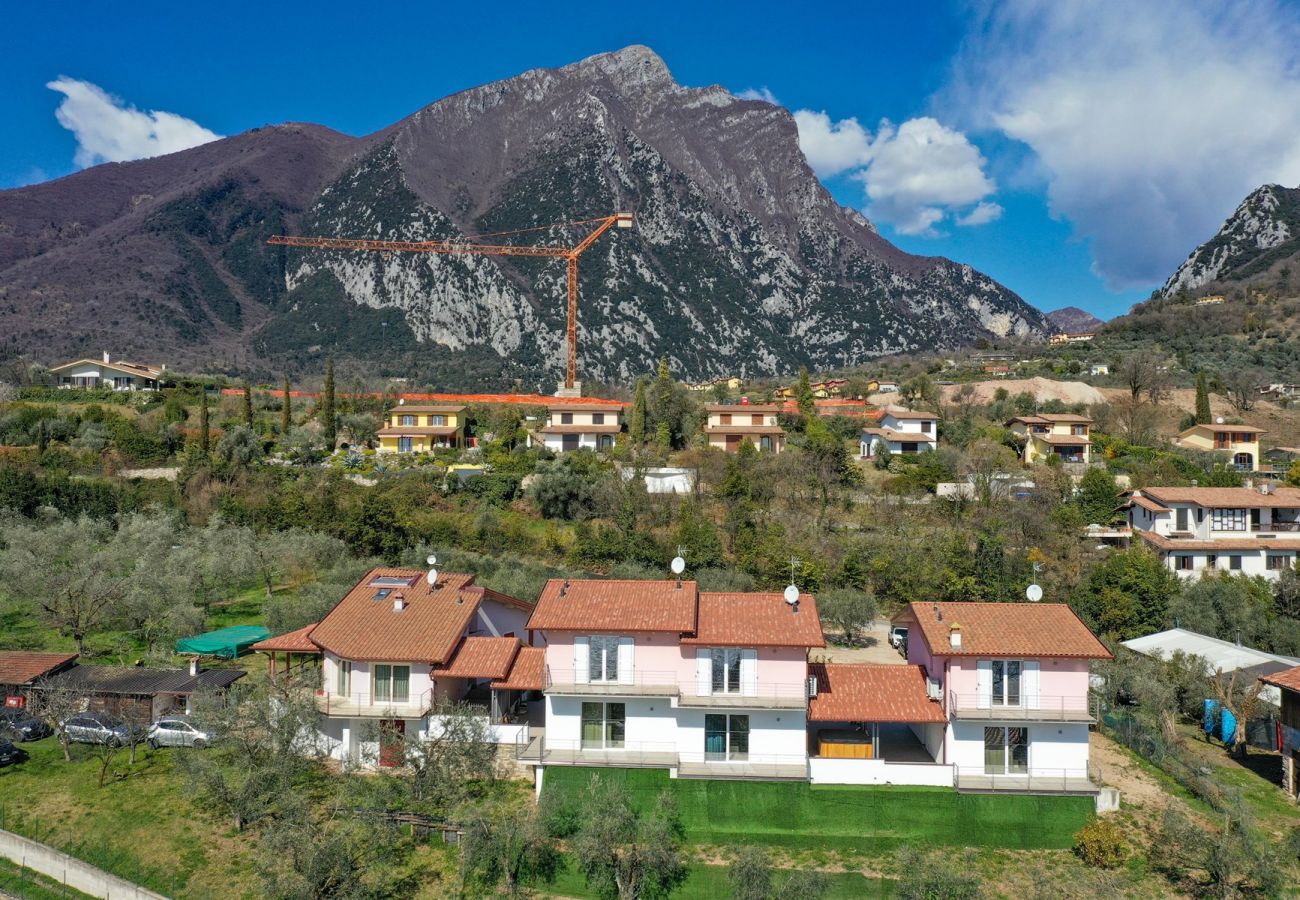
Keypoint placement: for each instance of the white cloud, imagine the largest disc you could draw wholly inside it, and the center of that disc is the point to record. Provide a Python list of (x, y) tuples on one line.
[(764, 93), (1150, 122), (832, 147), (108, 130), (920, 171), (983, 213)]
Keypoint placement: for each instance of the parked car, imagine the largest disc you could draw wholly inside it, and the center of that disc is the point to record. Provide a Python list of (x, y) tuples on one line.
[(96, 728), (18, 725), (898, 637), (177, 731), (9, 754)]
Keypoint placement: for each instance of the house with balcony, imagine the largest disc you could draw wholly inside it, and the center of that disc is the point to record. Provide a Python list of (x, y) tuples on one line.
[(731, 424), (659, 674), (396, 648), (108, 373), (901, 430), (420, 427), (1240, 442), (1060, 435), (579, 426), (1238, 530), (1013, 681)]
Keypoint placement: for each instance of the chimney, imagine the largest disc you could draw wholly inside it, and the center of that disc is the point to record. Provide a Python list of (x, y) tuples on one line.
[(195, 668), (954, 636), (107, 358), (399, 602)]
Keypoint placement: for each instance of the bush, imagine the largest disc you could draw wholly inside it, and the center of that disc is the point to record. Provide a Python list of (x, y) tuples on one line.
[(1100, 843)]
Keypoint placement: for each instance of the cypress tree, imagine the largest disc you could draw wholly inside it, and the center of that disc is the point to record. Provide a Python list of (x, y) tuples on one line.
[(1202, 400), (637, 417), (286, 410), (205, 427), (328, 426), (248, 405), (803, 394)]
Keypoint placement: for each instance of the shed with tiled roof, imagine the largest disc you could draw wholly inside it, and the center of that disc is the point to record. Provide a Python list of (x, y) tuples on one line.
[(527, 671), (21, 668)]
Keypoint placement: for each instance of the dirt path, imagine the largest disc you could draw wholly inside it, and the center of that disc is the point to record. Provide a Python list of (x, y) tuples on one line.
[(1120, 770)]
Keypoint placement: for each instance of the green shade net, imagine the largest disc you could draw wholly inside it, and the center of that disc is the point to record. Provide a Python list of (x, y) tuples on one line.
[(226, 643)]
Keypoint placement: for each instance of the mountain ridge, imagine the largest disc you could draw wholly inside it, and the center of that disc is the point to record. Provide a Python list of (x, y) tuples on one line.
[(740, 260)]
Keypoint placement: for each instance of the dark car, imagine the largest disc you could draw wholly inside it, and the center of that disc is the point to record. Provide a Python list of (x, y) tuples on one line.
[(19, 725), (9, 754)]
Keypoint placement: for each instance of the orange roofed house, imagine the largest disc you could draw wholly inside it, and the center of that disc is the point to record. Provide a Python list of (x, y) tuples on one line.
[(731, 424), (418, 427), (395, 648)]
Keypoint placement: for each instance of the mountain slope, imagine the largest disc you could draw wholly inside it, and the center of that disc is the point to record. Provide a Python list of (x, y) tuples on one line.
[(740, 261), (1072, 319), (1256, 242)]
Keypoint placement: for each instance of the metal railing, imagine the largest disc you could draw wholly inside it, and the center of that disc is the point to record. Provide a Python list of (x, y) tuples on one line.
[(630, 754), (366, 704), (1027, 708), (646, 682), (1032, 781), (747, 765)]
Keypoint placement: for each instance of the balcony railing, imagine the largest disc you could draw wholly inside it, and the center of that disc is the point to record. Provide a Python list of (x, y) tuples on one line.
[(1028, 708), (642, 682), (1034, 781), (645, 754), (650, 754), (748, 765), (367, 705), (646, 683)]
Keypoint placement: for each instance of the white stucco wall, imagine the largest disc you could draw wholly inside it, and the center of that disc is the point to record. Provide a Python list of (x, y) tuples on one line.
[(1052, 747), (878, 771)]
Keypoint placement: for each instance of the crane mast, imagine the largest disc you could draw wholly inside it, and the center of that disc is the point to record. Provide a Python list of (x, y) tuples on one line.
[(473, 248)]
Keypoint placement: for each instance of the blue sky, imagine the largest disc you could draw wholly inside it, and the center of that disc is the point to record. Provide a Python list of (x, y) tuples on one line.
[(1096, 143)]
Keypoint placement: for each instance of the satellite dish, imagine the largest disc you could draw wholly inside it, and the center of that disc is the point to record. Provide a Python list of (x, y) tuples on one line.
[(432, 577), (1034, 593), (1219, 420), (791, 594), (678, 565), (431, 559)]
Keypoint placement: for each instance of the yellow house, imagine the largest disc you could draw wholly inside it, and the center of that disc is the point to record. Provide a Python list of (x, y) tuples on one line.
[(418, 427), (1063, 435), (730, 424), (1242, 441)]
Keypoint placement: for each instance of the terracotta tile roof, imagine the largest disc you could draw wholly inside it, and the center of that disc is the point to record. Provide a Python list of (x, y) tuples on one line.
[(857, 692), (1288, 678), (1138, 499), (528, 673), (426, 408), (481, 657), (743, 407), (22, 667), (1191, 545), (890, 434), (1051, 418), (1220, 429), (1229, 497), (146, 370), (498, 597), (611, 428), (614, 605), (363, 626), (289, 642), (608, 406), (1068, 440), (756, 620), (1005, 629)]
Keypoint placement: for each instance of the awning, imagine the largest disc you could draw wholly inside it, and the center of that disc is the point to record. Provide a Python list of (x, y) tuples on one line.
[(226, 643)]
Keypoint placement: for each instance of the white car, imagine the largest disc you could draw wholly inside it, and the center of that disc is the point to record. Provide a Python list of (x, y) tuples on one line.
[(898, 637), (176, 731)]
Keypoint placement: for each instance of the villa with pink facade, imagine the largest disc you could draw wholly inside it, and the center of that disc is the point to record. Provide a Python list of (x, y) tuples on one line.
[(659, 674)]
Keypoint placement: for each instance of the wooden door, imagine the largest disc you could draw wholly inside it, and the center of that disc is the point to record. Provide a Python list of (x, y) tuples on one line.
[(392, 737)]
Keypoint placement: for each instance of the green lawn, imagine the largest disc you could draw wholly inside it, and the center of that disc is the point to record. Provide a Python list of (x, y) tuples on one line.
[(705, 882), (142, 825), (853, 818)]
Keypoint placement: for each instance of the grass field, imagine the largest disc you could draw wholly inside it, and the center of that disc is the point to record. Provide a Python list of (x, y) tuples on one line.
[(709, 882), (853, 818), (142, 825)]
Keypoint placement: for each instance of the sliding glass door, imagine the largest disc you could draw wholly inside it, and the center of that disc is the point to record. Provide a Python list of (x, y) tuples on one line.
[(603, 725), (726, 737), (392, 684), (1006, 751)]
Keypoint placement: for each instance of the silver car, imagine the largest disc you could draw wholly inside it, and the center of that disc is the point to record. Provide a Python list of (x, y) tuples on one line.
[(96, 728), (175, 731)]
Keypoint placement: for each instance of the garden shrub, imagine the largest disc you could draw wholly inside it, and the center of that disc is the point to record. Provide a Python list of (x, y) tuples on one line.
[(1100, 844)]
